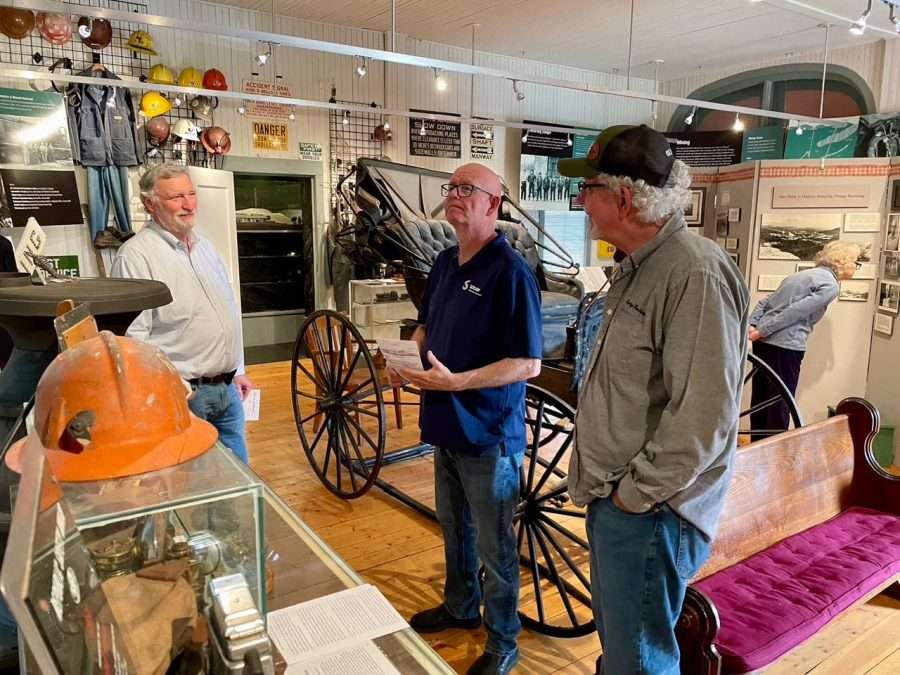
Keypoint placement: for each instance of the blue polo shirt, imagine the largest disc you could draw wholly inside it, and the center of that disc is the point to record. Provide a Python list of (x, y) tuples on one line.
[(475, 314)]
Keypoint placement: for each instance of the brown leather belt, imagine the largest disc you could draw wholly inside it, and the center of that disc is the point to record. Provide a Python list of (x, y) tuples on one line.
[(221, 378)]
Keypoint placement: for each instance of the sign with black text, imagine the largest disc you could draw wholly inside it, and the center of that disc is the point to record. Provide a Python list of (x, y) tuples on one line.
[(434, 138), (481, 141)]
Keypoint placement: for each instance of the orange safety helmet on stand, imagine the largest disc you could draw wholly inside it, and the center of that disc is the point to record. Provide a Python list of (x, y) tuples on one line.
[(110, 407)]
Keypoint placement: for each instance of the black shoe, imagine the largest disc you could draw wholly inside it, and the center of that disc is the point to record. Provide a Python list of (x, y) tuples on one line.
[(106, 239), (493, 664), (122, 236), (438, 618)]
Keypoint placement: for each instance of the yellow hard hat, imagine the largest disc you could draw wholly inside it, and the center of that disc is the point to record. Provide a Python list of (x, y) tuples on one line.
[(190, 77), (160, 74), (140, 41), (154, 104)]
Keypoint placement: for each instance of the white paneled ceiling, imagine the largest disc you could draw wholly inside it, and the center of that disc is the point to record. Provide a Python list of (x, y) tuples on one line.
[(593, 34)]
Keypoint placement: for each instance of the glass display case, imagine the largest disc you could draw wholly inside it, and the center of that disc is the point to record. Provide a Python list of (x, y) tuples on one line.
[(84, 560)]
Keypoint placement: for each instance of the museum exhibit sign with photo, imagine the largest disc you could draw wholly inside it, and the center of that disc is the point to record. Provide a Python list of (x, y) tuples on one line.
[(797, 236)]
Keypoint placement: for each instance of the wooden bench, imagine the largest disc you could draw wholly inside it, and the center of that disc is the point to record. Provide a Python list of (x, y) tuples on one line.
[(810, 528)]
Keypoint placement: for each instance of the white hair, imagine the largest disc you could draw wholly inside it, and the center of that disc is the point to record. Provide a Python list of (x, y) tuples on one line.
[(655, 204), (838, 254), (163, 171)]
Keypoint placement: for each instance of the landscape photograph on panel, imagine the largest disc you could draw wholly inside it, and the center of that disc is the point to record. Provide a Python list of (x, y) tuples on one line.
[(862, 222), (889, 296), (693, 212), (892, 265), (854, 291), (797, 236), (892, 237)]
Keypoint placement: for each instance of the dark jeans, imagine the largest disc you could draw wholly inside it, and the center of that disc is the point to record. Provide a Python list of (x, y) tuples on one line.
[(476, 498), (786, 364), (640, 567)]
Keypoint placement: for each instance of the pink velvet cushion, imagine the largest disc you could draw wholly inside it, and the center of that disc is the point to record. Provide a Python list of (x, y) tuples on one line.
[(779, 597)]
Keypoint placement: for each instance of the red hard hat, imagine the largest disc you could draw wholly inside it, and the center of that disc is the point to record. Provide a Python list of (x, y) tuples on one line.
[(216, 140), (158, 130), (214, 79), (16, 23)]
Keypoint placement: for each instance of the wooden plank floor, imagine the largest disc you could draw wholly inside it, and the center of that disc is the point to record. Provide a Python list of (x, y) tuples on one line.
[(400, 552)]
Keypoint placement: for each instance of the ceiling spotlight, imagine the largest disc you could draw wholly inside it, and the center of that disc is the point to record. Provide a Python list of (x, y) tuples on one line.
[(345, 120), (799, 131), (176, 101), (386, 125), (520, 95), (569, 140), (689, 120), (363, 68), (422, 131), (440, 82), (241, 109), (738, 123), (263, 58), (858, 27), (291, 115), (488, 134), (525, 136)]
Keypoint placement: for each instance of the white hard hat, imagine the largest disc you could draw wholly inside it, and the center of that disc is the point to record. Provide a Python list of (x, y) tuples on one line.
[(187, 129)]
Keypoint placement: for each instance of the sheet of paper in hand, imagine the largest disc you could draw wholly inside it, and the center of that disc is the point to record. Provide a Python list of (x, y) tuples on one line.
[(401, 354)]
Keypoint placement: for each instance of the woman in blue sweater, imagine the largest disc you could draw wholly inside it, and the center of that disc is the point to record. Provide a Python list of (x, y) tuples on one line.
[(781, 323)]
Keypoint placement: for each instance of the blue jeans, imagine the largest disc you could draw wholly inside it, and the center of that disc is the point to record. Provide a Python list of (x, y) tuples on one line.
[(640, 566), (476, 498), (220, 405), (107, 184)]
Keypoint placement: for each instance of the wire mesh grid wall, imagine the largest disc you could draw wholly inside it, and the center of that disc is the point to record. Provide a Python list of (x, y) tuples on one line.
[(350, 136), (118, 58)]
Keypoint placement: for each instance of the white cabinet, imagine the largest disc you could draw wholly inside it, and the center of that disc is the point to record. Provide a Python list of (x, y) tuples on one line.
[(379, 306)]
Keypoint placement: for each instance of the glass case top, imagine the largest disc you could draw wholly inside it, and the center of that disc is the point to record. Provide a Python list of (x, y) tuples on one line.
[(212, 475)]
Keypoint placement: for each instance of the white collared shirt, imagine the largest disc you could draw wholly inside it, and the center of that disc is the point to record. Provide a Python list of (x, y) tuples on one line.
[(200, 330)]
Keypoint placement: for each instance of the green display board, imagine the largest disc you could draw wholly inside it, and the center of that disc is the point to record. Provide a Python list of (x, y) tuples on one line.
[(817, 141)]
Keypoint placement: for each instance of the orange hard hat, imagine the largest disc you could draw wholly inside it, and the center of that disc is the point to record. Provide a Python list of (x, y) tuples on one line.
[(110, 407), (214, 79)]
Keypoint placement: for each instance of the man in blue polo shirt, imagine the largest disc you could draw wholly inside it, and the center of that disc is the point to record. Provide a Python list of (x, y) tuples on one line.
[(480, 334)]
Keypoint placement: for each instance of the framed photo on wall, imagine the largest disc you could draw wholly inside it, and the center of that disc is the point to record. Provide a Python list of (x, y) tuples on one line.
[(693, 212), (884, 324), (895, 196), (854, 291), (892, 266), (892, 236), (862, 222), (889, 297)]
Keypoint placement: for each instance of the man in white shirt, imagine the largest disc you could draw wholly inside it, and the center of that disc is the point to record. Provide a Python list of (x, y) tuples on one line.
[(200, 330)]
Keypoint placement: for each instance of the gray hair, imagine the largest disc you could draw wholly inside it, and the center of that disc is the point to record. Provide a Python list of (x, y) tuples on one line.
[(837, 254), (157, 172), (654, 204)]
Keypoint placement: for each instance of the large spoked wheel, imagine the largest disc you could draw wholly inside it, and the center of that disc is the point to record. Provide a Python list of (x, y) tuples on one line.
[(552, 540), (338, 407), (753, 420)]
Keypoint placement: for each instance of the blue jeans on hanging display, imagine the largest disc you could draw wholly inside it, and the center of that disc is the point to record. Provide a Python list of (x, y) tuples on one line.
[(640, 566), (107, 185), (476, 497), (220, 405)]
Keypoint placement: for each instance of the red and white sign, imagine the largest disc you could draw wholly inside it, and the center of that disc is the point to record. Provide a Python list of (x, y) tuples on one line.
[(265, 109)]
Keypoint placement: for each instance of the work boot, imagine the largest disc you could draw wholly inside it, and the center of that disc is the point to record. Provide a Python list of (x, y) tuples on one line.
[(120, 235), (106, 239), (438, 618)]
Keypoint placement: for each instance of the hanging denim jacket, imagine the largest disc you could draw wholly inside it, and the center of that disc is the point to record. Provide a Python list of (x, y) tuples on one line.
[(103, 123)]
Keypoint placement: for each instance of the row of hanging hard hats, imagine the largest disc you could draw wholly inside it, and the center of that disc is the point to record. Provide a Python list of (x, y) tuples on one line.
[(213, 78), (154, 104), (55, 28), (215, 140)]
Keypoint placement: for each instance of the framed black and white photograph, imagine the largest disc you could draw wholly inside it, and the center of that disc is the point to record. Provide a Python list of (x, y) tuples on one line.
[(769, 282), (786, 236), (722, 223), (732, 243), (895, 196), (854, 291), (884, 324), (862, 222), (892, 236), (734, 215), (736, 257), (889, 297), (805, 266), (892, 265), (693, 212)]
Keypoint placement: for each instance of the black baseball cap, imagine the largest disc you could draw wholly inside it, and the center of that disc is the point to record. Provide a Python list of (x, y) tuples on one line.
[(638, 152)]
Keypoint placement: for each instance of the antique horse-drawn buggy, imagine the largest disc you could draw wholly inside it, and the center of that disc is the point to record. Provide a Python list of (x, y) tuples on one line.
[(340, 389)]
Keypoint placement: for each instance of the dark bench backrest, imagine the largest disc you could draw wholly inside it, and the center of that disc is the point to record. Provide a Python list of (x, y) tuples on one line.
[(781, 486)]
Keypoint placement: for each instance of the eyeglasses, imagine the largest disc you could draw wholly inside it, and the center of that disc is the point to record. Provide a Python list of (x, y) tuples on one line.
[(582, 186), (463, 190)]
